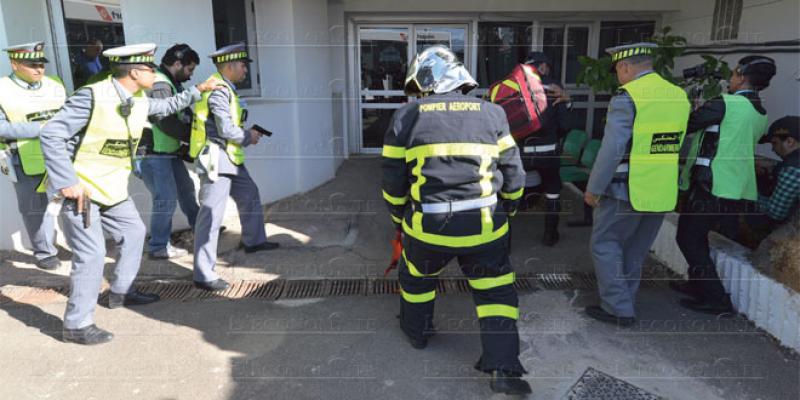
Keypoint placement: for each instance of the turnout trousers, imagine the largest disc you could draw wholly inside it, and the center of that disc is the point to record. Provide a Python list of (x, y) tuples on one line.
[(491, 279)]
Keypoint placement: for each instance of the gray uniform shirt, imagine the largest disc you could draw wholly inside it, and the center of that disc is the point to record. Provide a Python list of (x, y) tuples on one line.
[(614, 149), (19, 130), (61, 135), (222, 128)]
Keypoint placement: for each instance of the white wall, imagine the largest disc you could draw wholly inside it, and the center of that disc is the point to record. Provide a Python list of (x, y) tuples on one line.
[(294, 59), (761, 22)]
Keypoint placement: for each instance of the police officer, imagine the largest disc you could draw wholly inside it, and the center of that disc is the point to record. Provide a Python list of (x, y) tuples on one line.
[(162, 168), (446, 159), (218, 142), (540, 153), (720, 176), (634, 179), (28, 98), (88, 149)]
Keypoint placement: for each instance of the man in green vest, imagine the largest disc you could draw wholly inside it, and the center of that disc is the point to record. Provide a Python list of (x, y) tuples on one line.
[(720, 176), (634, 180), (217, 142), (89, 148), (28, 99), (162, 168)]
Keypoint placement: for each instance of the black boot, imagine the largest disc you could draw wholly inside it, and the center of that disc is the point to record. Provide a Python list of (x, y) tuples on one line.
[(550, 237), (688, 288), (509, 383), (713, 307)]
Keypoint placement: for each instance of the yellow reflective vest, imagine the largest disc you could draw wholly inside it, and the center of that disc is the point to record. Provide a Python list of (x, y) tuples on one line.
[(103, 160), (23, 105), (662, 114), (199, 138)]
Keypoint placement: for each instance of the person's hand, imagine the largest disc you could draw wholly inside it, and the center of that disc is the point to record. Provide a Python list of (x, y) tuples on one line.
[(209, 85), (591, 199), (558, 93), (255, 136), (77, 192)]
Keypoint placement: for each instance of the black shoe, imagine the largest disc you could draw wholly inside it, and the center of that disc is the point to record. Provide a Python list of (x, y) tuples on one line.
[(709, 307), (88, 336), (601, 315), (135, 298), (259, 247), (688, 288), (48, 263), (550, 238), (212, 286), (508, 383)]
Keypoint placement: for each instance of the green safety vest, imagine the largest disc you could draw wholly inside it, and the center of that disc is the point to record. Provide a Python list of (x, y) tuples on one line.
[(662, 113), (162, 142), (103, 160), (23, 105), (733, 166), (199, 139)]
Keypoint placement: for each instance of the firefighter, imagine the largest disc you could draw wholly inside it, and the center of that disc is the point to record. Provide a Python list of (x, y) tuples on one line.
[(540, 153), (28, 98), (89, 148), (452, 177), (634, 180)]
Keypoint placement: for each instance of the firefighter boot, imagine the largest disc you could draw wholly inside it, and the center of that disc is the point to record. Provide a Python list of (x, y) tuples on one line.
[(550, 237)]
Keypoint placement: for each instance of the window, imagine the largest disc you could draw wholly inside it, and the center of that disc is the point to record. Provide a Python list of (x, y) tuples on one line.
[(564, 44), (616, 33), (90, 28), (234, 22), (501, 46), (727, 14)]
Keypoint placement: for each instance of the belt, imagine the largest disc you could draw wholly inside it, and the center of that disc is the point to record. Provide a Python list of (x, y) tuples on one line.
[(456, 206), (539, 149), (703, 161)]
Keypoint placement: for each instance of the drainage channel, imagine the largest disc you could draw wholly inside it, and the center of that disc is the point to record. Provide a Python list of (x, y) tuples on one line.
[(317, 288)]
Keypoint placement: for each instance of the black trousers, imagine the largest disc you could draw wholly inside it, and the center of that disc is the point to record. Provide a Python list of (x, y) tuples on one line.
[(491, 279), (701, 213)]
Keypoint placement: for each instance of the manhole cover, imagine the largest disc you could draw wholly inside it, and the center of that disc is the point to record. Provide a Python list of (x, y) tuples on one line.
[(596, 385)]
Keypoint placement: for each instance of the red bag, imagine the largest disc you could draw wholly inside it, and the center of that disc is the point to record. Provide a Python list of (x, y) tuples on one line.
[(522, 95)]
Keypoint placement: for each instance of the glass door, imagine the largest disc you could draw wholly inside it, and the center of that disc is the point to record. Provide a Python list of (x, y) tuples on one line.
[(385, 52), (383, 55)]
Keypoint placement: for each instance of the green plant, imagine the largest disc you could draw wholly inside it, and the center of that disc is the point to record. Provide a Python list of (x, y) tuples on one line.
[(597, 74)]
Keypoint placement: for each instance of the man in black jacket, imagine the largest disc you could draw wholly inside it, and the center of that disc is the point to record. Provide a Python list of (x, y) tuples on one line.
[(162, 168), (720, 176), (540, 153)]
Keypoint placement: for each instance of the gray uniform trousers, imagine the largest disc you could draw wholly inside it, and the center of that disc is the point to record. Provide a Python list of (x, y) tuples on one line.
[(123, 224), (621, 241), (213, 197), (40, 226)]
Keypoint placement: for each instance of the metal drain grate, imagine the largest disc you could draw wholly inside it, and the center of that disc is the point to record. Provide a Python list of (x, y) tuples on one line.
[(304, 289), (596, 385)]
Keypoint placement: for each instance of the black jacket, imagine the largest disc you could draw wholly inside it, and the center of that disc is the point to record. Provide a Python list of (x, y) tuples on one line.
[(477, 129)]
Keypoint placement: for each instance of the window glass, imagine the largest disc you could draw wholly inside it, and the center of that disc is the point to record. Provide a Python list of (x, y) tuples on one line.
[(501, 46)]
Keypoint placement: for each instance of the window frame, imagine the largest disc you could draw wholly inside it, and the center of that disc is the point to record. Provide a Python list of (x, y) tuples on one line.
[(250, 12)]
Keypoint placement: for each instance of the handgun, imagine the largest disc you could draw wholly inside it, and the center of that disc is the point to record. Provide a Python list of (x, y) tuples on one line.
[(262, 131)]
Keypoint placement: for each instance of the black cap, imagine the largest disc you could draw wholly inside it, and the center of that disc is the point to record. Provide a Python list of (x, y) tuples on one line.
[(537, 57), (788, 126)]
